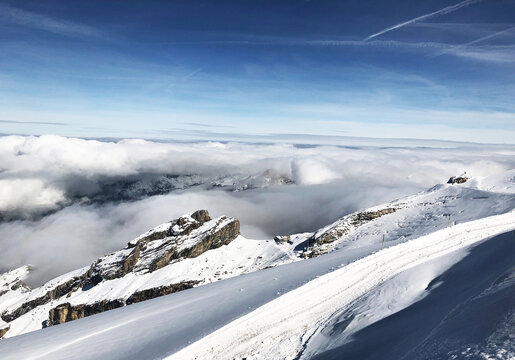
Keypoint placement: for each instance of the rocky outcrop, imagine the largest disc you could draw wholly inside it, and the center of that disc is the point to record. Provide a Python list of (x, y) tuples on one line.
[(281, 239), (52, 294), (4, 331), (180, 238), (147, 294), (366, 216), (458, 179), (186, 237), (213, 240), (19, 284), (181, 226), (67, 312), (330, 235)]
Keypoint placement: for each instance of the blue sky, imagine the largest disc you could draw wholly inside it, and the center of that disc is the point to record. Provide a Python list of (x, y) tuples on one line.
[(259, 69)]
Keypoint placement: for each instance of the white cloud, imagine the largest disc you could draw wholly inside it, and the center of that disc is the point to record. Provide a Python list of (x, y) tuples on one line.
[(45, 172), (21, 194)]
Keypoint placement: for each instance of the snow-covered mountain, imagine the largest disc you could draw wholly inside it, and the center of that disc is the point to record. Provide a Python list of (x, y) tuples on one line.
[(283, 296)]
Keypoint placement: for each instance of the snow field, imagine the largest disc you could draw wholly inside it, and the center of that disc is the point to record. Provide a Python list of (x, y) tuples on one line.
[(279, 328)]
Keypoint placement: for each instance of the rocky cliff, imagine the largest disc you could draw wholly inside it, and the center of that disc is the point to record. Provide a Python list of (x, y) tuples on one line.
[(68, 298)]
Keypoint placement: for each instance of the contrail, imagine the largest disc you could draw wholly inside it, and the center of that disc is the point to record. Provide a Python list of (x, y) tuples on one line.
[(451, 49), (446, 10)]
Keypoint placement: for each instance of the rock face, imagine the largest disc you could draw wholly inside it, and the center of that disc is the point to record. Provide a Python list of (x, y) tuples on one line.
[(332, 234), (4, 331), (458, 179), (55, 293), (366, 216), (186, 237), (143, 295), (67, 312)]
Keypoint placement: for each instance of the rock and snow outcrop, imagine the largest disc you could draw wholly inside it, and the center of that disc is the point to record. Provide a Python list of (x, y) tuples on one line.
[(133, 271), (460, 179)]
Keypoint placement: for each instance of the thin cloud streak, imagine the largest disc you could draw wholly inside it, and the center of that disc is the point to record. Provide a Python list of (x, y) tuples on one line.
[(18, 16), (498, 33), (498, 53), (446, 10), (492, 54), (32, 122)]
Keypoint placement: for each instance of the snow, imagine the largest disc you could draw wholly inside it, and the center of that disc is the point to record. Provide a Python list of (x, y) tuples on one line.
[(384, 300), (467, 313), (159, 228), (279, 328), (276, 328)]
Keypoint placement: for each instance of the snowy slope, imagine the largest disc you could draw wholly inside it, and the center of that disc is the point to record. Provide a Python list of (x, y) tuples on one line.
[(281, 327), (465, 313), (118, 285), (420, 214), (164, 325), (351, 244)]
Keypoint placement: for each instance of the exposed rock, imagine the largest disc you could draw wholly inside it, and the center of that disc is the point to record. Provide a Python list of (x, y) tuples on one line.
[(458, 179), (181, 226), (173, 241), (147, 294), (367, 216), (201, 216), (3, 331), (329, 237), (283, 239), (213, 240), (127, 264), (186, 237), (54, 293), (335, 233), (67, 312)]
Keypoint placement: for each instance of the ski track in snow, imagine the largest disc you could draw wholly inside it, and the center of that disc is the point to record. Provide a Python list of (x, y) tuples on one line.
[(278, 329)]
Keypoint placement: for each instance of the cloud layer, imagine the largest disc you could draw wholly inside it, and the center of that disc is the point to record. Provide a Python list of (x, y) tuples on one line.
[(52, 176)]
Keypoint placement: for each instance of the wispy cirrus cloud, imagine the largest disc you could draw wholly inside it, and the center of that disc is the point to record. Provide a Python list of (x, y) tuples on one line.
[(446, 10), (492, 54), (205, 125), (13, 15), (32, 122)]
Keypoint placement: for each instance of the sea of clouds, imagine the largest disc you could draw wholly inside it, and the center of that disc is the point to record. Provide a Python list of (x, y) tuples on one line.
[(45, 183)]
